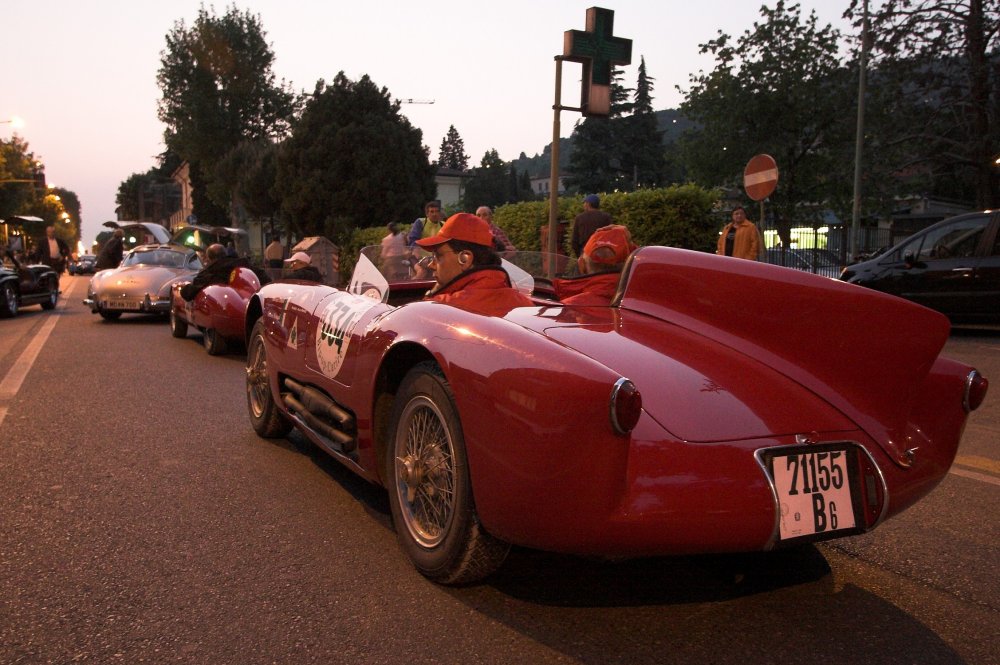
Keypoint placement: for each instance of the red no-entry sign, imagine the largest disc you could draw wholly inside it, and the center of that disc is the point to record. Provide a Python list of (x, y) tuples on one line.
[(760, 177)]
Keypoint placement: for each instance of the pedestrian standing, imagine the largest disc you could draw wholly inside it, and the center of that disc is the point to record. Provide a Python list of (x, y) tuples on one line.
[(588, 221), (501, 242), (112, 251), (740, 237), (426, 226)]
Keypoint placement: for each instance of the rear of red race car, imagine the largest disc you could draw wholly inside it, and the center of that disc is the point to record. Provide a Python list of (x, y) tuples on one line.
[(777, 408)]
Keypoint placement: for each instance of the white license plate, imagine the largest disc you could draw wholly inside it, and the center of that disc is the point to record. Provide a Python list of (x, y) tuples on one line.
[(814, 492), (122, 304)]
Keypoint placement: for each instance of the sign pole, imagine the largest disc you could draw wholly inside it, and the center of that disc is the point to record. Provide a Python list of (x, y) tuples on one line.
[(598, 50), (554, 170)]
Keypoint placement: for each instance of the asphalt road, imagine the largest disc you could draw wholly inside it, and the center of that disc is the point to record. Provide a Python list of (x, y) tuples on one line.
[(141, 520)]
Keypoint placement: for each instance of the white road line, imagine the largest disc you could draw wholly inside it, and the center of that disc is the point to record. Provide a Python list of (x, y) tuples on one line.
[(982, 477), (17, 373)]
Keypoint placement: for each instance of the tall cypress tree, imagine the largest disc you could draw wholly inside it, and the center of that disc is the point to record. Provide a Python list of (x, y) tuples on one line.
[(644, 141), (451, 154)]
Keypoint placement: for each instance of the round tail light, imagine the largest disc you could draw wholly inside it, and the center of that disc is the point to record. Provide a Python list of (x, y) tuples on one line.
[(626, 405), (976, 386)]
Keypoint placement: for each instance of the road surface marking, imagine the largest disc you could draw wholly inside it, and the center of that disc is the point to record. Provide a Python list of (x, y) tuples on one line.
[(982, 477), (17, 373), (977, 462)]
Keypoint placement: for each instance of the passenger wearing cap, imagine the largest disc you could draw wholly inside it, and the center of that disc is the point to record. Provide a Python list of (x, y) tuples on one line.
[(601, 264), (468, 270), (299, 266)]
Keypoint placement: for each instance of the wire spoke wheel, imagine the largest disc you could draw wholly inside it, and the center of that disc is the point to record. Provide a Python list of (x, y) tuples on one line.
[(426, 472), (430, 492), (265, 416), (258, 390)]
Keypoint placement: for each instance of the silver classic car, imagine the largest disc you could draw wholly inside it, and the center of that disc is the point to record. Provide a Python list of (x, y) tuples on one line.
[(142, 283)]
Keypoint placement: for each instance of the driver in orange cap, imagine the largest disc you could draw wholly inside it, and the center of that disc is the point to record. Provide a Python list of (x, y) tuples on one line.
[(467, 270), (601, 265)]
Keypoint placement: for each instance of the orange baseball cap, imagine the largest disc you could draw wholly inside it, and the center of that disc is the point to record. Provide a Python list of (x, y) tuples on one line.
[(461, 226), (609, 245)]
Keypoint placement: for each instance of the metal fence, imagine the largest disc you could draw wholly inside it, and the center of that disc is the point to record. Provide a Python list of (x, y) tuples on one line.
[(824, 250)]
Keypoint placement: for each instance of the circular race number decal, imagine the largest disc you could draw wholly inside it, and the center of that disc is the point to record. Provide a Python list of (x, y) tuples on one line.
[(336, 324)]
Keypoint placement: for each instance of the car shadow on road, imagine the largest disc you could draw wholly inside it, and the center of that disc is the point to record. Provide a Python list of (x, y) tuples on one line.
[(371, 498), (785, 606), (975, 330), (554, 579)]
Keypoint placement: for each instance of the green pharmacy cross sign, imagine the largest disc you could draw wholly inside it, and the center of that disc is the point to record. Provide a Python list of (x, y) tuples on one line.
[(598, 50)]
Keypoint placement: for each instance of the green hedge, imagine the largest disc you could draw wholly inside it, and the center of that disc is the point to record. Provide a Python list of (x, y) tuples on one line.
[(676, 216)]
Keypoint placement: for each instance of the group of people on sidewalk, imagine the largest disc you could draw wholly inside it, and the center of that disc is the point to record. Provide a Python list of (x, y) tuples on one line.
[(465, 257), (466, 264)]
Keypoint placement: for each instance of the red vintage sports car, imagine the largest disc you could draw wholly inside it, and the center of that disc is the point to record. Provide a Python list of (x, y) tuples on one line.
[(217, 311), (718, 405)]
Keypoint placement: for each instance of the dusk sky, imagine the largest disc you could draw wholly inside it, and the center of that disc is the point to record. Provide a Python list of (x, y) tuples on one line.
[(82, 73)]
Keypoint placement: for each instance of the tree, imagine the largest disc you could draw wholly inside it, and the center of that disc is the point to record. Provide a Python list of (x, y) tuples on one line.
[(779, 89), (452, 152), (218, 90), (940, 59), (71, 206), (135, 196), (352, 161), (598, 160), (519, 185), (645, 160), (489, 185), (127, 197), (17, 163)]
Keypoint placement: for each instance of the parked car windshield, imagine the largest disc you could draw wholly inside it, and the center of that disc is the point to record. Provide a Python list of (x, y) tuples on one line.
[(957, 239), (162, 257)]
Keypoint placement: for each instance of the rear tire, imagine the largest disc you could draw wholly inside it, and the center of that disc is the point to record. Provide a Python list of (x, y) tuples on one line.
[(267, 420), (53, 295), (8, 301), (430, 492), (214, 343), (178, 326)]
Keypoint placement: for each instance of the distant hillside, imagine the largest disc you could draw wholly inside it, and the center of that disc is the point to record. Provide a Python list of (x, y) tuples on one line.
[(669, 121)]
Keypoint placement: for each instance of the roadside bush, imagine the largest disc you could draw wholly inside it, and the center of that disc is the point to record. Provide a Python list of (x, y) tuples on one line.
[(676, 216)]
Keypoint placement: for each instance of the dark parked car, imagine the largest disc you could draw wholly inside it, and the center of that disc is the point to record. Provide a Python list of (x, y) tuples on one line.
[(85, 265), (952, 266), (22, 285)]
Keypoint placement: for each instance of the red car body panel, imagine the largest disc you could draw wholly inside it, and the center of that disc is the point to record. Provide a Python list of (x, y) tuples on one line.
[(221, 307), (732, 358)]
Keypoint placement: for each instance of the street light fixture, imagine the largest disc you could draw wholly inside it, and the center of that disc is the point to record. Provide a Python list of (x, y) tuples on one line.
[(15, 122)]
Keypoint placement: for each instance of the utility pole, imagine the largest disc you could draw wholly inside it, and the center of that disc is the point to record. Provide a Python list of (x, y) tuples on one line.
[(859, 142)]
